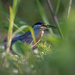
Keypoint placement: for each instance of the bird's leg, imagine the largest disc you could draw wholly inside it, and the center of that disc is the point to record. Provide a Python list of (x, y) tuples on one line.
[(34, 47)]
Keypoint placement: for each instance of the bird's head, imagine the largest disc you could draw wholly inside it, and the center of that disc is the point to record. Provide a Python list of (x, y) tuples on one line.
[(42, 26)]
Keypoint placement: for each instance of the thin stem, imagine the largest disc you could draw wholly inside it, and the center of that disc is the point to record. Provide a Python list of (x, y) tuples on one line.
[(11, 22), (57, 8), (69, 9), (9, 36), (54, 17)]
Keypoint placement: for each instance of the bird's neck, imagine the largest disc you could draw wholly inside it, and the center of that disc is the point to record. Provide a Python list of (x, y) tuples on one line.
[(38, 33)]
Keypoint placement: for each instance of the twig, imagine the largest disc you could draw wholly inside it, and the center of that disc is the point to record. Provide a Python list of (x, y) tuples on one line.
[(54, 17), (69, 9)]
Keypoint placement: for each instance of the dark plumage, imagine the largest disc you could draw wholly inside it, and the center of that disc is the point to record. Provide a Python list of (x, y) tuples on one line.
[(26, 37), (38, 23), (38, 32)]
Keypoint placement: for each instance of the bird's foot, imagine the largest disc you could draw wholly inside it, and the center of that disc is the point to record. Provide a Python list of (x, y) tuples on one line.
[(34, 47)]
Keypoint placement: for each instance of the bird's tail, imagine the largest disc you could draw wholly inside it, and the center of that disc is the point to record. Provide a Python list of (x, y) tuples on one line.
[(4, 44)]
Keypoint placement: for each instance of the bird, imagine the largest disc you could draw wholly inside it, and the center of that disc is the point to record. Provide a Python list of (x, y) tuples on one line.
[(26, 37), (38, 28)]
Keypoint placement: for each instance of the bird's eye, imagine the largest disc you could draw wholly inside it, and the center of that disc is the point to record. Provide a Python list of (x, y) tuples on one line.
[(44, 24)]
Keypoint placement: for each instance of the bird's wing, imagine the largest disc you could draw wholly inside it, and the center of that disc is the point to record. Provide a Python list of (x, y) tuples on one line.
[(26, 37)]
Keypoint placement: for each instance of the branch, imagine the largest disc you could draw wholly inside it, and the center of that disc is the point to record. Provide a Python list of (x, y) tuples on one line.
[(54, 17), (69, 9)]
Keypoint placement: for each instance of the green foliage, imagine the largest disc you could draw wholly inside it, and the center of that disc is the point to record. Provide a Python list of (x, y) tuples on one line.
[(15, 6), (20, 48), (55, 56), (57, 59), (11, 20), (57, 7)]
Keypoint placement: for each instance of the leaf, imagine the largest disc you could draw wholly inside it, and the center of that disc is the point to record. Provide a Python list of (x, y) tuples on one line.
[(20, 48), (57, 8), (19, 30), (43, 15), (32, 32), (12, 17), (15, 6)]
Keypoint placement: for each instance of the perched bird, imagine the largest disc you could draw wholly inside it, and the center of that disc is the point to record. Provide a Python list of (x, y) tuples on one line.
[(38, 32), (27, 37)]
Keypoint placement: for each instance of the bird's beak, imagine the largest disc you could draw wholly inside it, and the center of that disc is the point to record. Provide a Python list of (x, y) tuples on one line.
[(50, 26)]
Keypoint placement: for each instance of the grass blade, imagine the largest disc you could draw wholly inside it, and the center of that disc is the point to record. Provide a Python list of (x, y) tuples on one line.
[(10, 29), (15, 6), (11, 22), (57, 8)]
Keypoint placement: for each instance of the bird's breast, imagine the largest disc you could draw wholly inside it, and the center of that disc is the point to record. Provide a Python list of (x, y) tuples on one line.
[(38, 36), (42, 32)]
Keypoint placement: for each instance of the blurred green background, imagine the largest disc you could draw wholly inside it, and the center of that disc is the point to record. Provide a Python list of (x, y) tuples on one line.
[(55, 56), (28, 12)]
